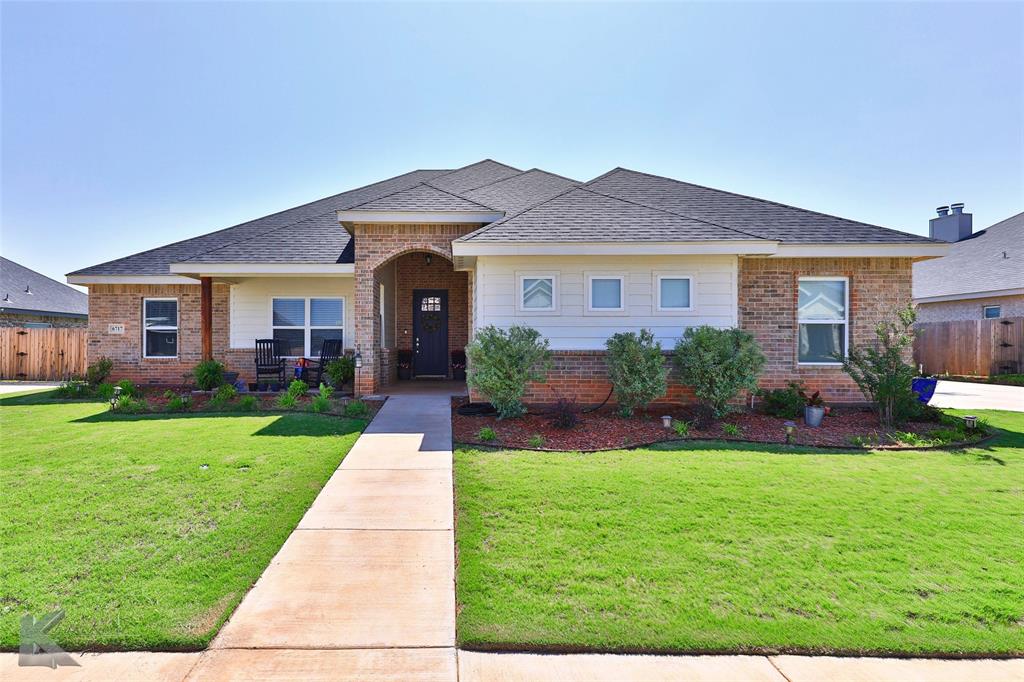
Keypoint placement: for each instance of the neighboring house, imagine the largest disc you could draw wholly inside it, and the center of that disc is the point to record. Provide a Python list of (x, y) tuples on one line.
[(981, 277), (419, 261), (36, 301)]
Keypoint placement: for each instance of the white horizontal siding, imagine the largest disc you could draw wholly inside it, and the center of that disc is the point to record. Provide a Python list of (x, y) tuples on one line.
[(572, 327), (250, 304)]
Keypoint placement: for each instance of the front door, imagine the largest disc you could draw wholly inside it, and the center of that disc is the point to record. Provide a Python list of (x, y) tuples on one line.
[(430, 332)]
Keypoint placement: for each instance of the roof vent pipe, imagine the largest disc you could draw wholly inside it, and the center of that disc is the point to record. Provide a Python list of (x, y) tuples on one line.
[(942, 210), (957, 208)]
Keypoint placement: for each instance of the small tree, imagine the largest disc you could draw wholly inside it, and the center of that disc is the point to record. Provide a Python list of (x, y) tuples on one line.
[(502, 363), (882, 372), (636, 368), (717, 364)]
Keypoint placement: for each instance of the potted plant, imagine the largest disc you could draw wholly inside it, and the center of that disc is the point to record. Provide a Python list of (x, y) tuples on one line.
[(405, 364), (459, 365), (814, 408)]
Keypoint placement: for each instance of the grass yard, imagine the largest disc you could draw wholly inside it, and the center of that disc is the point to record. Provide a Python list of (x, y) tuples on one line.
[(758, 549), (148, 530)]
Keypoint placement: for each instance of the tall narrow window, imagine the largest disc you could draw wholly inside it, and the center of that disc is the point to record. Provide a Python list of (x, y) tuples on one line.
[(823, 320), (383, 335), (301, 325), (160, 327)]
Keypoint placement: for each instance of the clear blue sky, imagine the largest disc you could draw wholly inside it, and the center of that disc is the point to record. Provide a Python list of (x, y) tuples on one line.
[(127, 126)]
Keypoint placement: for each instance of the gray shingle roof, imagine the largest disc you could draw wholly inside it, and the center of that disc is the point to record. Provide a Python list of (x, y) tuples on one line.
[(422, 197), (474, 175), (759, 217), (518, 192), (319, 239), (157, 261), (579, 215), (976, 264), (47, 295)]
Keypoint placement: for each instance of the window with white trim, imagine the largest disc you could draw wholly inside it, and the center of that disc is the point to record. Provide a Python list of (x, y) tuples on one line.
[(991, 312), (383, 341), (160, 327), (605, 293), (675, 292), (301, 325), (822, 320), (538, 293)]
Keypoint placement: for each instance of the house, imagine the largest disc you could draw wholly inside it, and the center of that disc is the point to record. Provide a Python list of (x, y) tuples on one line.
[(33, 300), (419, 261), (981, 277)]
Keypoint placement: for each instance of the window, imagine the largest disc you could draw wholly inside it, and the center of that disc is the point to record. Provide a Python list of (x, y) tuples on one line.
[(605, 293), (991, 312), (823, 317), (160, 327), (674, 292), (301, 325), (383, 342), (538, 292)]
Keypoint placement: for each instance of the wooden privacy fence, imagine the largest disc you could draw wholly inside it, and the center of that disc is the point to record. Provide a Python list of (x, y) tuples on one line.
[(42, 354), (971, 347)]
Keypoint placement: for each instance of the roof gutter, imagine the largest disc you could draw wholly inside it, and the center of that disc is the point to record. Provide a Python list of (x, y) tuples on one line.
[(995, 293), (919, 250), (351, 217), (195, 270), (128, 279), (759, 247)]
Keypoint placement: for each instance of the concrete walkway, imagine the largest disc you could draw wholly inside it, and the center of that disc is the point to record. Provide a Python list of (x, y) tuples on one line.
[(24, 386), (364, 589), (966, 396)]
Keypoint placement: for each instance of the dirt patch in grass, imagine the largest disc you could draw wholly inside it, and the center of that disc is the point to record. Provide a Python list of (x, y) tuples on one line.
[(604, 429)]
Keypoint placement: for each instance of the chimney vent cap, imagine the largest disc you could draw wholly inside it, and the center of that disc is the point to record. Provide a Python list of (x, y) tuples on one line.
[(957, 208), (942, 210)]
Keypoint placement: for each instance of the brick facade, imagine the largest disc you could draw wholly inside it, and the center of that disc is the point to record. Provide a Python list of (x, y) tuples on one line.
[(376, 246), (122, 304), (969, 309), (414, 273)]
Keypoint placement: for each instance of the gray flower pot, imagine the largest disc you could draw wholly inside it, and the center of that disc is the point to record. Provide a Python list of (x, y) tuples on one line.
[(813, 415)]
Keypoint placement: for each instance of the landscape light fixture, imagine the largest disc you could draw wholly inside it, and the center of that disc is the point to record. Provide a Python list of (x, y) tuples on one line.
[(970, 421), (790, 430), (358, 359), (666, 421), (114, 398)]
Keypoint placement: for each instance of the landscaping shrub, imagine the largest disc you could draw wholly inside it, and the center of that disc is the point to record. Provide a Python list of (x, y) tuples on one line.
[(128, 388), (783, 402), (248, 403), (486, 434), (340, 371), (223, 397), (128, 405), (73, 388), (297, 389), (322, 401), (682, 428), (502, 363), (565, 414), (209, 374), (636, 368), (732, 430), (104, 391), (357, 409), (177, 403), (536, 441), (717, 364), (99, 371), (881, 372), (286, 401)]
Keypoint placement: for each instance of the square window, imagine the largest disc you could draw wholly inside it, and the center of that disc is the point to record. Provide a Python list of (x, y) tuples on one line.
[(325, 312), (301, 325), (991, 312), (318, 336), (822, 300), (673, 293), (538, 293), (606, 293)]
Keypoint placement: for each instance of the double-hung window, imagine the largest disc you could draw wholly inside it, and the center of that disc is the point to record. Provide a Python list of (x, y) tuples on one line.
[(605, 293), (160, 327), (301, 325), (823, 320)]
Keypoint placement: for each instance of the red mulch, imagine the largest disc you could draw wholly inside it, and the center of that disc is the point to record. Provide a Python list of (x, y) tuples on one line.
[(154, 395), (605, 430)]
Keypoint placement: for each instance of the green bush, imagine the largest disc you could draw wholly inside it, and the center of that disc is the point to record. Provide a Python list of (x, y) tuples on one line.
[(536, 441), (502, 363), (223, 397), (286, 401), (783, 402), (128, 388), (486, 434), (682, 428), (322, 401), (297, 389), (882, 373), (71, 389), (209, 374), (129, 405), (357, 409), (340, 371), (177, 403), (248, 403), (99, 371), (636, 368), (104, 391), (717, 364), (732, 430)]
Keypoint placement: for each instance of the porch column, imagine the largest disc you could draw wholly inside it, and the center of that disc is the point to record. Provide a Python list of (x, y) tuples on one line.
[(206, 316), (366, 309)]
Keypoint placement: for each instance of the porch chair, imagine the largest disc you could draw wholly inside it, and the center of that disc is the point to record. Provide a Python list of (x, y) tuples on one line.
[(268, 360), (329, 352)]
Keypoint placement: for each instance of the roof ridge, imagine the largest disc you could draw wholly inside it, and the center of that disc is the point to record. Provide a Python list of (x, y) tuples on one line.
[(521, 174), (505, 219), (677, 214), (246, 222), (753, 198), (459, 196), (477, 163)]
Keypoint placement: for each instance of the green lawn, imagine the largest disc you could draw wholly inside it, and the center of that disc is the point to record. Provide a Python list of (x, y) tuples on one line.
[(708, 548), (116, 520)]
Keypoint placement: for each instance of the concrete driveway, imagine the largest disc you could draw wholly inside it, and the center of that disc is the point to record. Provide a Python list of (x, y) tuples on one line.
[(965, 396), (19, 386)]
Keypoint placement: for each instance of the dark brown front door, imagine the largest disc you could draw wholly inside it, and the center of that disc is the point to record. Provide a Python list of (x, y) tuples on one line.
[(430, 332)]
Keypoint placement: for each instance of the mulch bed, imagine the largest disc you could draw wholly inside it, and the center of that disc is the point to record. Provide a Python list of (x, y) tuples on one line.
[(606, 430), (154, 396)]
